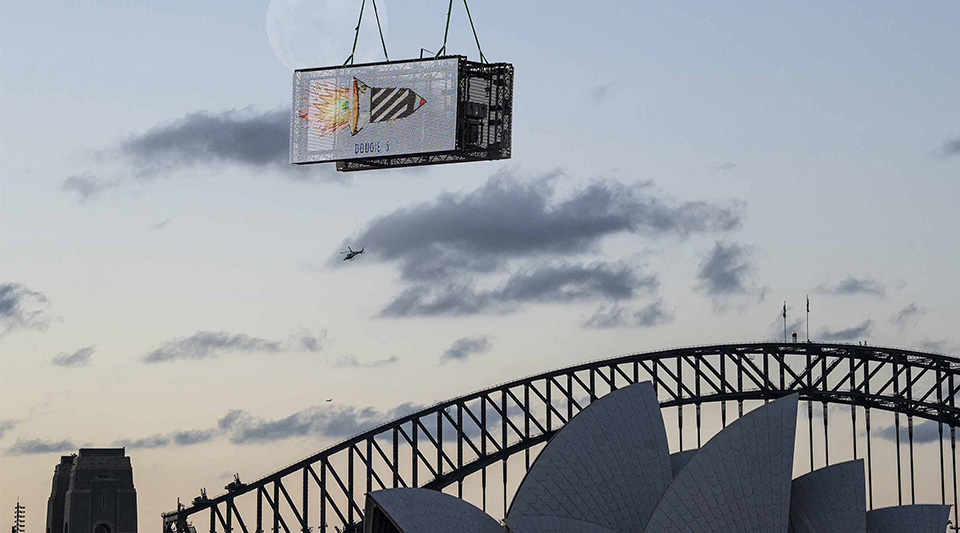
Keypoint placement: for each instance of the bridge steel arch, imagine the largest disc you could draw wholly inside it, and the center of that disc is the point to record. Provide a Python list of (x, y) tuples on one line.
[(441, 446)]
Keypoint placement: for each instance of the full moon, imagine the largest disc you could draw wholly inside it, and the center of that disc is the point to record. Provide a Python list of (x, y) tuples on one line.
[(319, 33)]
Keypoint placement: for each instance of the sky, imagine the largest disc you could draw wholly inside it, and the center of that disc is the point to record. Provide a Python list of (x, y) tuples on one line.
[(171, 284)]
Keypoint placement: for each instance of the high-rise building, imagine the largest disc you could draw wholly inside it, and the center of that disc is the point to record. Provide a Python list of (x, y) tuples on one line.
[(93, 492)]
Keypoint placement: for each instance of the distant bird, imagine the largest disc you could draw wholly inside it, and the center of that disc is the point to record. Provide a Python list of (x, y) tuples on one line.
[(351, 253), (329, 400)]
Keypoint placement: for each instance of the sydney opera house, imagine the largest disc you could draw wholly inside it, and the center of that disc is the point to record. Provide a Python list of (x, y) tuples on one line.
[(610, 471)]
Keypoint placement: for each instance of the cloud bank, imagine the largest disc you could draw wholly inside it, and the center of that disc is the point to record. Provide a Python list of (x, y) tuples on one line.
[(507, 218), (516, 242)]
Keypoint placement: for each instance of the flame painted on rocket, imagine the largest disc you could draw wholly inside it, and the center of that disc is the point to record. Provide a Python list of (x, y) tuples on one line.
[(332, 108)]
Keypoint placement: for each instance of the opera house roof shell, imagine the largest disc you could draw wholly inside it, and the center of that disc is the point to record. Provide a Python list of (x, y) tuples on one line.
[(609, 470)]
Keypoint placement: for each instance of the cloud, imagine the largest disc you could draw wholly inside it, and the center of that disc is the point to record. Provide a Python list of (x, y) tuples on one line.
[(209, 344), (907, 316), (39, 446), (22, 308), (191, 437), (145, 443), (86, 186), (848, 334), (951, 147), (310, 342), (852, 285), (175, 438), (728, 275), (246, 138), (542, 283), (506, 219), (241, 427), (924, 432), (937, 346), (80, 357), (600, 93), (464, 347), (616, 316), (351, 361), (722, 167), (328, 421), (6, 425)]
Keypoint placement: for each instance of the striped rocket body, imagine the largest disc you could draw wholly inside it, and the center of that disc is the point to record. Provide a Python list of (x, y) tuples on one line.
[(392, 103)]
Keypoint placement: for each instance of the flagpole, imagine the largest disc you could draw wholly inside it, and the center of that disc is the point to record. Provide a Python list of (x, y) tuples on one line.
[(784, 321), (808, 318)]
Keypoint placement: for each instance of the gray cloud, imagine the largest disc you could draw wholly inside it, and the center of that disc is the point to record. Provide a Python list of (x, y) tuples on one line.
[(191, 437), (464, 347), (175, 438), (543, 283), (848, 334), (728, 271), (162, 224), (327, 421), (616, 316), (80, 357), (6, 425), (937, 346), (39, 446), (241, 427), (86, 186), (245, 138), (907, 316), (22, 308), (853, 285), (950, 147), (144, 443), (351, 361), (506, 218), (256, 140), (310, 342), (722, 167), (600, 93), (209, 344), (925, 431)]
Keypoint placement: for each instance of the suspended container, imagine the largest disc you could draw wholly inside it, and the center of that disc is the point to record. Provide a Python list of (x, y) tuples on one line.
[(402, 113)]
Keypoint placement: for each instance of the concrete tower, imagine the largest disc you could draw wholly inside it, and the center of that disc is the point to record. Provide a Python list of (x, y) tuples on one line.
[(93, 492)]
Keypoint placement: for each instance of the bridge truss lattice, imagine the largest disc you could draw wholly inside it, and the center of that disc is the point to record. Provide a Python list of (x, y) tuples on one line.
[(463, 440)]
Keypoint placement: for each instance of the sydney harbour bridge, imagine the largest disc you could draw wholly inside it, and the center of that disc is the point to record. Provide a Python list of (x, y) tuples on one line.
[(478, 446)]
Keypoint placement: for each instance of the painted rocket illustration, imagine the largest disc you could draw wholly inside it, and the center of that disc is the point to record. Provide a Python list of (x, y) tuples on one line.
[(331, 108)]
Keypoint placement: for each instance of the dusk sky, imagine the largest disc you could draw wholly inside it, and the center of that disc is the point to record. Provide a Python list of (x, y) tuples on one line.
[(170, 283)]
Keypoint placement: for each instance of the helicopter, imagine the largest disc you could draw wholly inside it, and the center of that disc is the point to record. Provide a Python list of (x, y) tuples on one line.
[(351, 253)]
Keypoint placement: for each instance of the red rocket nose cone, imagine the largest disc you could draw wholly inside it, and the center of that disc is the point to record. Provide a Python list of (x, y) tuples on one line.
[(422, 101)]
